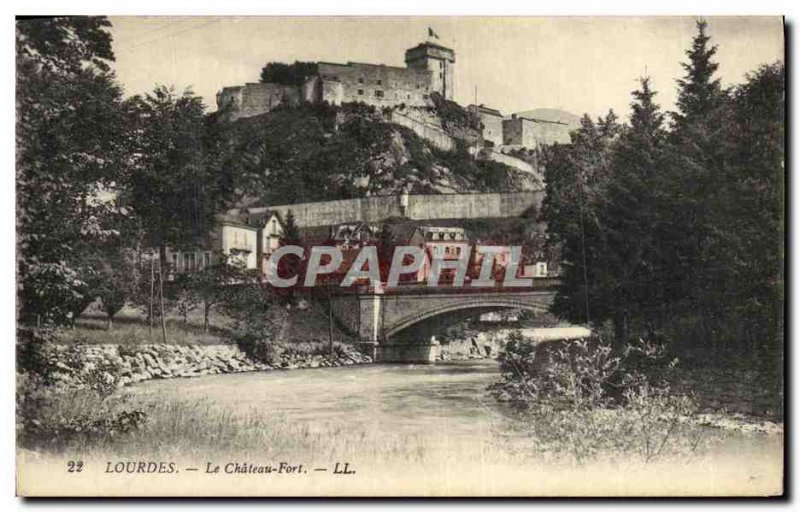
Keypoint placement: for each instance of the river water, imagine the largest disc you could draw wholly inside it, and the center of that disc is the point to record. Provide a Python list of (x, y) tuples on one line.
[(440, 420), (399, 399)]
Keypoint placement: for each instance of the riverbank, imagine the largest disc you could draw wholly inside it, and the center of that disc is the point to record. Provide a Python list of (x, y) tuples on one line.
[(428, 430), (122, 365)]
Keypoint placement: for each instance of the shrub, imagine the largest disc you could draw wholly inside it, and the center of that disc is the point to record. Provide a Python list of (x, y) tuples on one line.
[(580, 397), (257, 344), (53, 418), (35, 352)]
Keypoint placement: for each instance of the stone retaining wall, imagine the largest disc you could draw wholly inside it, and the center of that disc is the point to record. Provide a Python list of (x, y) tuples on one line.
[(128, 365), (419, 207)]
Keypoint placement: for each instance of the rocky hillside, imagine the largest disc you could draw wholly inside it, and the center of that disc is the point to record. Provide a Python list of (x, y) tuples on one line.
[(321, 152)]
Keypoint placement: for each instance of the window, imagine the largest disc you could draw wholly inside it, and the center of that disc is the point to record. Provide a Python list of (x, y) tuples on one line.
[(175, 261), (379, 94), (186, 261), (441, 64), (361, 92), (207, 259), (440, 75), (361, 80), (379, 82), (408, 96)]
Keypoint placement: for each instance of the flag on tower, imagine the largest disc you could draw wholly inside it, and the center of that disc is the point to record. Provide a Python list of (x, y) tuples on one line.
[(431, 33)]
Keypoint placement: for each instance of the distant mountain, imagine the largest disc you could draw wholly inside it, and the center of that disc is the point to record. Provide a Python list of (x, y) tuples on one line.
[(554, 115)]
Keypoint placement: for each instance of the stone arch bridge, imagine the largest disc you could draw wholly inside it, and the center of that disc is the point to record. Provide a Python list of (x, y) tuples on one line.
[(395, 325)]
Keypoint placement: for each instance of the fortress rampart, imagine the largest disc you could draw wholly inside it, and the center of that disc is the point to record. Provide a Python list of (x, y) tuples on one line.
[(414, 207)]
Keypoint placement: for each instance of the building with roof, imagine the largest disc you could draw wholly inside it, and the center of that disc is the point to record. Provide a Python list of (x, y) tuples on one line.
[(353, 234), (492, 121), (529, 132), (246, 238)]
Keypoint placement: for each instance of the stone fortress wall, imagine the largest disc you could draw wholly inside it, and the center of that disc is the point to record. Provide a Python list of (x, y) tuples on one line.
[(377, 85), (431, 132), (530, 132), (418, 207)]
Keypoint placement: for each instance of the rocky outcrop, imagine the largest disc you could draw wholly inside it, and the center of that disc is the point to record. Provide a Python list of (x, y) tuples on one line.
[(488, 344), (127, 365)]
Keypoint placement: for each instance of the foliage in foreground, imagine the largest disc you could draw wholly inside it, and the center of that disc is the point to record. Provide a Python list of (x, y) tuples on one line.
[(582, 398)]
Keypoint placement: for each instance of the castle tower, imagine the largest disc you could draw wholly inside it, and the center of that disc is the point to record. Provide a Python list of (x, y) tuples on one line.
[(439, 61)]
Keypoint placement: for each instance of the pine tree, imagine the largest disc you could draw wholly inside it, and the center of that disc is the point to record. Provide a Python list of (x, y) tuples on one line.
[(632, 268), (576, 176), (291, 232), (699, 93), (695, 184)]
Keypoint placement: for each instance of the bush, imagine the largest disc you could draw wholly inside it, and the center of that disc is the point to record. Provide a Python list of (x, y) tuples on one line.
[(257, 344), (53, 418), (580, 397), (35, 352)]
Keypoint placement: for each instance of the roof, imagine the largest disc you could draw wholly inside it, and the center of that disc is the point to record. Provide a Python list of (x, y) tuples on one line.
[(428, 44), (351, 64), (487, 110), (261, 216), (347, 230), (552, 115), (233, 220), (245, 219)]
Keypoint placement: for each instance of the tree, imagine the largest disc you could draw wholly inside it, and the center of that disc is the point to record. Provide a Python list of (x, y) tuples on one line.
[(576, 177), (115, 278), (291, 232), (754, 223), (386, 247), (66, 166), (694, 244), (174, 191), (288, 74), (632, 272), (699, 93), (214, 285)]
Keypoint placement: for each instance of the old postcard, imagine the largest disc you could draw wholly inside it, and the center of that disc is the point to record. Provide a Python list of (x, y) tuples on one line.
[(400, 256)]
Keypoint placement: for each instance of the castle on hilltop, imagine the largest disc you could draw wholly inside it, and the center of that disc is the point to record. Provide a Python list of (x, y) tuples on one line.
[(430, 68)]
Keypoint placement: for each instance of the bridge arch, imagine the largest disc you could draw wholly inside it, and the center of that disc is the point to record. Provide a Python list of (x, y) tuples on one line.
[(478, 303)]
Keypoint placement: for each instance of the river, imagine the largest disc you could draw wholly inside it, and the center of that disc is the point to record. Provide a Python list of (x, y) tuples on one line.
[(440, 420), (412, 400)]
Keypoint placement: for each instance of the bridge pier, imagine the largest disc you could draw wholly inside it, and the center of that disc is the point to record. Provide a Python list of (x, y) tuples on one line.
[(405, 352)]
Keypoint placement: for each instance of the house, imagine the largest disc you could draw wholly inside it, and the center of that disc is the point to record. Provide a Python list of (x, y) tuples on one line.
[(353, 234), (247, 238), (445, 243)]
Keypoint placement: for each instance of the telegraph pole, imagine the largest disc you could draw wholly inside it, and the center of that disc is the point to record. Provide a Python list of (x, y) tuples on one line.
[(161, 297), (330, 321), (152, 291)]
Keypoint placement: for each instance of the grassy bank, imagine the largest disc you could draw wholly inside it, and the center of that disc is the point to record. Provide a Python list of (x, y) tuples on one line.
[(130, 326)]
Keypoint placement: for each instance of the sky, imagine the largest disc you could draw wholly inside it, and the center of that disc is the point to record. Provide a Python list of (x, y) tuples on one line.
[(578, 64)]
